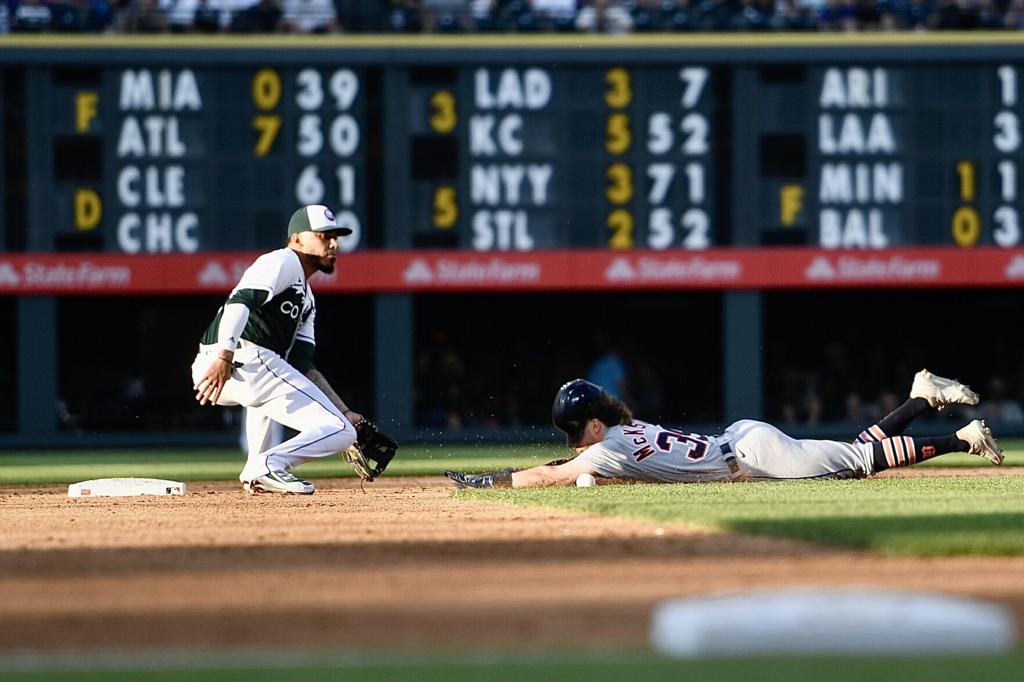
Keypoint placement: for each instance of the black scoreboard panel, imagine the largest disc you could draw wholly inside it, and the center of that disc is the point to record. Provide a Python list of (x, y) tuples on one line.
[(519, 158), (521, 149), (878, 155), (162, 159)]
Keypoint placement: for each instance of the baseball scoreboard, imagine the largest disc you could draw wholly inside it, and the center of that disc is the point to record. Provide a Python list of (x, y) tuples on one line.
[(619, 146)]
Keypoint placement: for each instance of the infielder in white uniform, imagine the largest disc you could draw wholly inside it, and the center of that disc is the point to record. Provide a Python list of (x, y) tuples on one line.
[(258, 352), (613, 445)]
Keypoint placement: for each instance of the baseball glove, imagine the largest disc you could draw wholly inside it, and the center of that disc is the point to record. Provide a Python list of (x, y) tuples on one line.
[(372, 451)]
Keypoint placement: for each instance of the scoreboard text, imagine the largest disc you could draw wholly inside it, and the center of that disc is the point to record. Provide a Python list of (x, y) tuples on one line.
[(543, 147)]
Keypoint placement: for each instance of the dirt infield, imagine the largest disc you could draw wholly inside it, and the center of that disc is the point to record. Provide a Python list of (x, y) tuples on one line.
[(404, 564)]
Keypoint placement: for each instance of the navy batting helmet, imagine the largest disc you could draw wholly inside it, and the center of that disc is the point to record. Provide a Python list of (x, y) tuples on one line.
[(569, 411)]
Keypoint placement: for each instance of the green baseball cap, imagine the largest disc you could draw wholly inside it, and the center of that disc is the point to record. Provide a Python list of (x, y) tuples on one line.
[(315, 218)]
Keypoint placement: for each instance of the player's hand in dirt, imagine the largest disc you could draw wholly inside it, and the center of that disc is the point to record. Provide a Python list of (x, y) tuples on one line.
[(494, 479), (209, 387)]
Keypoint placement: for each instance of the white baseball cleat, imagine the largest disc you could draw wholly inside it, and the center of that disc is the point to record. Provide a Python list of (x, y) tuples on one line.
[(981, 440), (278, 482), (940, 392)]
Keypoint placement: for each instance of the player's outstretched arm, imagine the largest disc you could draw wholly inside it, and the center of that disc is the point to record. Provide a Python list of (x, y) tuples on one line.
[(548, 475), (536, 477)]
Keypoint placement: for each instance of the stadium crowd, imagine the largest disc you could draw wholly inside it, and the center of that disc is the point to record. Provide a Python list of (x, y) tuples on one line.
[(503, 16)]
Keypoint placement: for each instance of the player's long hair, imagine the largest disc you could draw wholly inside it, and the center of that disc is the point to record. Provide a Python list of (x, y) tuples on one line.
[(611, 411)]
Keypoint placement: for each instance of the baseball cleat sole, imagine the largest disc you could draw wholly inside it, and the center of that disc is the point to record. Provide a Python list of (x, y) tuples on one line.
[(940, 392)]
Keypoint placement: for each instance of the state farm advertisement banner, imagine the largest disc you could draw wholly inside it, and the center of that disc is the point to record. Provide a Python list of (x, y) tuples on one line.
[(442, 271)]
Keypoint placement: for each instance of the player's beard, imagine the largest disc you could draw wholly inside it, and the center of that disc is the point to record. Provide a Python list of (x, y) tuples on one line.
[(322, 263)]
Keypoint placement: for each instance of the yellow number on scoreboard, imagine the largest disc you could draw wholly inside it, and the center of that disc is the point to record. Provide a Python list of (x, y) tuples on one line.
[(965, 169), (620, 187), (444, 118), (266, 89), (966, 226), (618, 94), (446, 210), (620, 222), (267, 125), (618, 138)]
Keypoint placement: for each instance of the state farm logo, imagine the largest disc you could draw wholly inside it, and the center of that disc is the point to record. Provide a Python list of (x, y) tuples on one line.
[(873, 268), (820, 268), (214, 274), (418, 272), (1015, 268), (84, 274), (473, 271), (620, 270), (660, 269), (9, 275)]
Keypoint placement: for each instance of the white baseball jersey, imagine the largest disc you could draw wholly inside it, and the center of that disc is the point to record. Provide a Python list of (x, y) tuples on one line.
[(287, 312), (650, 452), (747, 450)]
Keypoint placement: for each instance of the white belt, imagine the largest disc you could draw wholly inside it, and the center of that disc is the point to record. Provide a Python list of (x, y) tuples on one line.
[(242, 343)]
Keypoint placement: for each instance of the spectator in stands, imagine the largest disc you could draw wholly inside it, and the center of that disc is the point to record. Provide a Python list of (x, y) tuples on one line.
[(951, 15), (716, 15), (483, 14), (207, 17), (609, 370), (31, 16), (309, 16), (142, 16), (754, 15), (990, 16), (405, 17), (440, 380), (445, 16), (361, 15), (998, 407), (604, 16), (180, 14), (73, 16), (1014, 18), (523, 16), (262, 17), (556, 15), (793, 15)]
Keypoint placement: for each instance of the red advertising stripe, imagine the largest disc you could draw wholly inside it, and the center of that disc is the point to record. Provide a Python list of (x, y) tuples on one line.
[(563, 270)]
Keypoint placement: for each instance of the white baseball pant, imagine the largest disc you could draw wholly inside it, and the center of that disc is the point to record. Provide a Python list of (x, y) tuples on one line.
[(274, 390), (766, 453)]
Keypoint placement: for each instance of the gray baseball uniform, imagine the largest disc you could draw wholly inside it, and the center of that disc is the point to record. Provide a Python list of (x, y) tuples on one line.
[(747, 450)]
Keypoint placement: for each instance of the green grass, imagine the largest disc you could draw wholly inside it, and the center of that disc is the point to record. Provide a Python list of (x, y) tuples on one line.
[(923, 516), (580, 669), (223, 464), (69, 466)]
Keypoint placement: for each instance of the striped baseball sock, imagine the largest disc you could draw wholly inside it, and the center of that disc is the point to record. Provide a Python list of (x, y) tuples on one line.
[(903, 451), (894, 423)]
